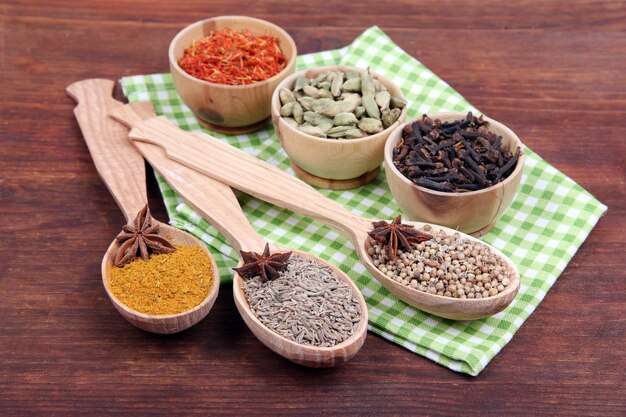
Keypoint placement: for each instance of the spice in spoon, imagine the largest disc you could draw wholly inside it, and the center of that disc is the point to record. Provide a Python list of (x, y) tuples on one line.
[(165, 284), (233, 57), (305, 302), (448, 265), (165, 279)]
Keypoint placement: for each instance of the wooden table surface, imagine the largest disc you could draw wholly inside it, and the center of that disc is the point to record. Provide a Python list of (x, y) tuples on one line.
[(555, 72)]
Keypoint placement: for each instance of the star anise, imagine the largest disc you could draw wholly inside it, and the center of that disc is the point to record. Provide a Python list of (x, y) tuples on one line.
[(143, 237), (265, 265), (396, 235)]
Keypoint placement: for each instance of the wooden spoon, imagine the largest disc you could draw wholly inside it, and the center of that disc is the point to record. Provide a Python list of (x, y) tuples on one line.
[(217, 203), (236, 168), (122, 169)]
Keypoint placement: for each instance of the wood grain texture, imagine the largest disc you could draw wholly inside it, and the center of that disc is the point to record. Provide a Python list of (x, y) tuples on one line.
[(553, 71), (251, 175), (330, 158), (122, 170), (231, 109), (217, 203), (474, 212)]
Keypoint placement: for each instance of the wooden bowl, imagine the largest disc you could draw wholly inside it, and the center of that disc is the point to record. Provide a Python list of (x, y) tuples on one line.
[(332, 163), (473, 212), (165, 324), (306, 355), (229, 108)]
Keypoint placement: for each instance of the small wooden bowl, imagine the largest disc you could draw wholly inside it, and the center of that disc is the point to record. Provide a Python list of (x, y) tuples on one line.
[(229, 108), (306, 355), (331, 163), (473, 212), (165, 324)]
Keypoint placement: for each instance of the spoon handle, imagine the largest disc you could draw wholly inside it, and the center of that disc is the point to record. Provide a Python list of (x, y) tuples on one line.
[(212, 199), (236, 168), (118, 163)]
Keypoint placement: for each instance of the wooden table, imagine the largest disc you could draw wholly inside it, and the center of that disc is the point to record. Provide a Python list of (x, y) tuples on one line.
[(553, 71)]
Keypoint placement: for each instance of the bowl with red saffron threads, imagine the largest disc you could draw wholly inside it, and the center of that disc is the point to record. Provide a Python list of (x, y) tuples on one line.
[(226, 68)]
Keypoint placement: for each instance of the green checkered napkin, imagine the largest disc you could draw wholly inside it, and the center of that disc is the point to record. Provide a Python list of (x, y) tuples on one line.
[(541, 231)]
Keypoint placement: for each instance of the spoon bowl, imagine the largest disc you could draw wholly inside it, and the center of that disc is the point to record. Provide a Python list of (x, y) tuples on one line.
[(307, 355), (163, 324), (122, 169), (216, 202), (439, 305)]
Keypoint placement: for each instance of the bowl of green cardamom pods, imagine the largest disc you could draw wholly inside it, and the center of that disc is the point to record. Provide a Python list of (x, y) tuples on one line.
[(333, 123)]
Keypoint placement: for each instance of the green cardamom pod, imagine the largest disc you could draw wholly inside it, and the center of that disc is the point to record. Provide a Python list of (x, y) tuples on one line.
[(291, 121), (336, 84), (382, 99), (370, 106), (353, 97), (321, 78), (389, 117), (286, 96), (359, 111), (306, 102), (345, 119), (367, 85), (317, 119), (325, 85), (352, 85), (320, 103), (298, 113), (397, 102), (338, 131), (312, 91), (369, 125), (352, 74), (287, 109), (338, 107), (312, 130), (354, 134), (310, 116), (378, 86), (300, 82), (325, 124), (325, 93)]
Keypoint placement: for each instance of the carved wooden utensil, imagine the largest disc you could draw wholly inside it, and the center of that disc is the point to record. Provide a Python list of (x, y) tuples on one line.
[(217, 203), (253, 176), (122, 169)]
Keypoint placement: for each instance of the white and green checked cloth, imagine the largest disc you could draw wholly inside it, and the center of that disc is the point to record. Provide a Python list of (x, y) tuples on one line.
[(541, 231)]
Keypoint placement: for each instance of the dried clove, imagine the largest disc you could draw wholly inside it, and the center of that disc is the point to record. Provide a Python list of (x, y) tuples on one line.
[(458, 156)]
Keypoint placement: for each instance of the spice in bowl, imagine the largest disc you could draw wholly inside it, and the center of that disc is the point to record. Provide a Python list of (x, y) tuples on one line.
[(340, 105), (457, 156), (299, 299), (233, 57), (440, 263), (165, 279)]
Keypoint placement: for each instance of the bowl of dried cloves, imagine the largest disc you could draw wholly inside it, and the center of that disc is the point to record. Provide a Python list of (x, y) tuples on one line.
[(333, 123), (458, 170)]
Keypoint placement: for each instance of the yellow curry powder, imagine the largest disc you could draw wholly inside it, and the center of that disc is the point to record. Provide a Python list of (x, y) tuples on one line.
[(168, 283)]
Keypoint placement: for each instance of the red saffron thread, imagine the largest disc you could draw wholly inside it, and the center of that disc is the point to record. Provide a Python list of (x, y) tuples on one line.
[(233, 57)]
